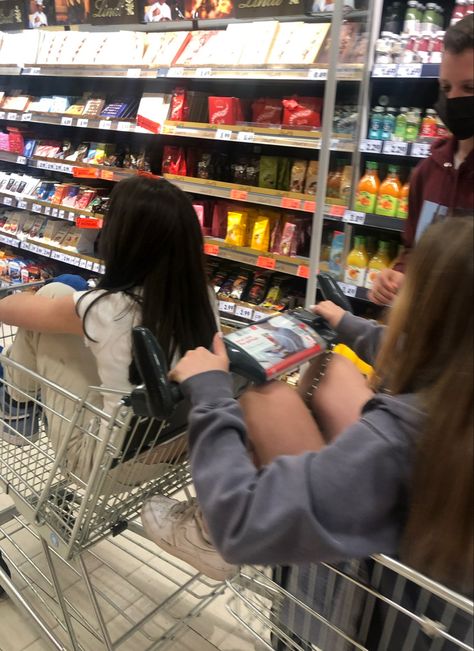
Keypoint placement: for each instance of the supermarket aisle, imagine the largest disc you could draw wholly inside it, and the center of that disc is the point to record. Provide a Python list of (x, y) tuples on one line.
[(213, 630)]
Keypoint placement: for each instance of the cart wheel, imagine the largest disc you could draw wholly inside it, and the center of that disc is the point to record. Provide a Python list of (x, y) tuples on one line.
[(6, 569)]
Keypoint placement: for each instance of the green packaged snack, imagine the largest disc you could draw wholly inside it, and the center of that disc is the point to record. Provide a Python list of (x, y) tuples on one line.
[(284, 170), (268, 174)]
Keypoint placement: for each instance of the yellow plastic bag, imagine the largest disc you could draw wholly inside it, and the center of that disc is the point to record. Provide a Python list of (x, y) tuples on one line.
[(349, 354)]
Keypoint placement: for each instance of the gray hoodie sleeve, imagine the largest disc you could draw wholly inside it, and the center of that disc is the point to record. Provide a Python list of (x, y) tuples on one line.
[(338, 503), (361, 335)]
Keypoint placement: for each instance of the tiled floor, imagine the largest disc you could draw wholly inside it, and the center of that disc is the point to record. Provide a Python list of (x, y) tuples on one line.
[(130, 578)]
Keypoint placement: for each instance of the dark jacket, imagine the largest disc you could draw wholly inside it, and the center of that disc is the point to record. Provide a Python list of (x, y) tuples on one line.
[(436, 180)]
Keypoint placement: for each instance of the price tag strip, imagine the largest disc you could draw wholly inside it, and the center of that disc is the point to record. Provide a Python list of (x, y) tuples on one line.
[(420, 149), (395, 148), (354, 217), (348, 290), (384, 70), (371, 146)]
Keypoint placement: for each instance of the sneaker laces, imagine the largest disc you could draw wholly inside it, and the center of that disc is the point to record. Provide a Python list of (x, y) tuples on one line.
[(191, 509)]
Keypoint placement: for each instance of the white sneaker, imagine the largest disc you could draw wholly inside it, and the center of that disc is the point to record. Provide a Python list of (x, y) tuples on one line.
[(177, 528)]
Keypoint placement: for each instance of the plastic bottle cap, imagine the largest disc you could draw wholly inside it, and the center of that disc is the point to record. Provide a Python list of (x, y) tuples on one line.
[(390, 109), (359, 240), (393, 169), (404, 109)]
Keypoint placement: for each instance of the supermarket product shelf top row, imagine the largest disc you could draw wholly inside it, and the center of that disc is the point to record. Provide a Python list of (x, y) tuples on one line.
[(255, 134), (345, 72)]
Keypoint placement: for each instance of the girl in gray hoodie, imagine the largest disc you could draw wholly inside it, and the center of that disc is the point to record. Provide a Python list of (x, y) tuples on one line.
[(374, 472)]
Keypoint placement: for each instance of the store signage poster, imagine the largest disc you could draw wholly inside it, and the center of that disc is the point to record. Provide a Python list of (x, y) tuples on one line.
[(12, 15), (72, 12), (114, 12), (40, 13), (268, 8)]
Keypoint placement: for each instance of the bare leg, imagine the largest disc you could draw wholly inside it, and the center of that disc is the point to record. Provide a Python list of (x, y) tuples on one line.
[(339, 397), (278, 422)]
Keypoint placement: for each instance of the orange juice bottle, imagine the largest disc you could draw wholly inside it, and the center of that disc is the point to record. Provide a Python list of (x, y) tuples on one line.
[(356, 263), (389, 193), (367, 189), (402, 210), (380, 261)]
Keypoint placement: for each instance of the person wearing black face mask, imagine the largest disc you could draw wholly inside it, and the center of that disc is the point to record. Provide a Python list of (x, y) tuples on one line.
[(443, 184)]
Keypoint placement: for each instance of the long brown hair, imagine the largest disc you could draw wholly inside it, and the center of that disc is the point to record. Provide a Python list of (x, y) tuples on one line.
[(429, 350)]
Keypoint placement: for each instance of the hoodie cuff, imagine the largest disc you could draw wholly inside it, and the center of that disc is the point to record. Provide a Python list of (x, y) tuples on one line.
[(350, 327), (209, 388)]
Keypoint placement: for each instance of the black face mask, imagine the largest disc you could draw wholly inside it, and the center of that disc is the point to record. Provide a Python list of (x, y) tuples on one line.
[(457, 114)]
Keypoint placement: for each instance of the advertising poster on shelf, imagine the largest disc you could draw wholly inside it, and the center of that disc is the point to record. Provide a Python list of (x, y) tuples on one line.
[(72, 12), (12, 15), (41, 13), (158, 11), (269, 8), (209, 9), (115, 12)]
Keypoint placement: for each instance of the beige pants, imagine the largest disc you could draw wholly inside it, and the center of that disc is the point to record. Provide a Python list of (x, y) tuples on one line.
[(67, 362)]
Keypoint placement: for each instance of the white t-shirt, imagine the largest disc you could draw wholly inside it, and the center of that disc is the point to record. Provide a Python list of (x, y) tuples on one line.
[(109, 325)]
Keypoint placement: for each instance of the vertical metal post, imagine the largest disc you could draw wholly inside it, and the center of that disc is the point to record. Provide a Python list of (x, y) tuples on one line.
[(325, 153)]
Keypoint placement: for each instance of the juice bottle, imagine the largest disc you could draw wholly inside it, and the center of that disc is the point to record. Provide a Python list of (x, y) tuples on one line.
[(367, 189), (356, 263), (413, 124), (380, 261), (388, 124), (389, 193), (402, 210), (401, 125), (376, 120), (428, 125)]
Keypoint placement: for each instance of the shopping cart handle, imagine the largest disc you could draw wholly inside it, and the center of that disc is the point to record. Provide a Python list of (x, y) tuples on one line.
[(331, 291), (157, 397)]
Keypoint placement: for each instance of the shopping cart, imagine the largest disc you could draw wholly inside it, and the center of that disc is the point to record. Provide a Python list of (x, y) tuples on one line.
[(78, 477), (373, 605)]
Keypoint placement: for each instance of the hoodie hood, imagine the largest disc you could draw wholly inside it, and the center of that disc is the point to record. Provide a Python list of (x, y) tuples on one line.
[(399, 415), (442, 153)]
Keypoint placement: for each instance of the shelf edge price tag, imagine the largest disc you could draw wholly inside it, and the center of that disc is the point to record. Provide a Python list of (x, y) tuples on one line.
[(266, 263), (395, 148), (258, 316), (96, 267), (243, 312), (223, 134), (290, 203), (309, 206), (337, 211), (8, 201), (66, 121), (2, 115), (245, 136), (204, 72), (175, 72), (37, 207), (354, 217), (239, 195), (318, 73), (211, 249), (54, 212), (412, 70), (384, 70), (420, 149), (105, 124), (21, 160), (88, 222), (61, 214), (107, 175), (370, 146), (348, 290), (12, 116), (123, 126), (47, 210), (22, 205), (227, 307), (82, 122), (26, 117), (302, 271), (133, 72)]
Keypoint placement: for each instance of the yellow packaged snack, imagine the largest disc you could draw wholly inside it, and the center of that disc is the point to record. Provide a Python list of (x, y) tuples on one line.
[(260, 239), (236, 228)]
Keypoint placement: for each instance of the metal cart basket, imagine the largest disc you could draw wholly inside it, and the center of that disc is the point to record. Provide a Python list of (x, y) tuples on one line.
[(373, 605), (78, 476)]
